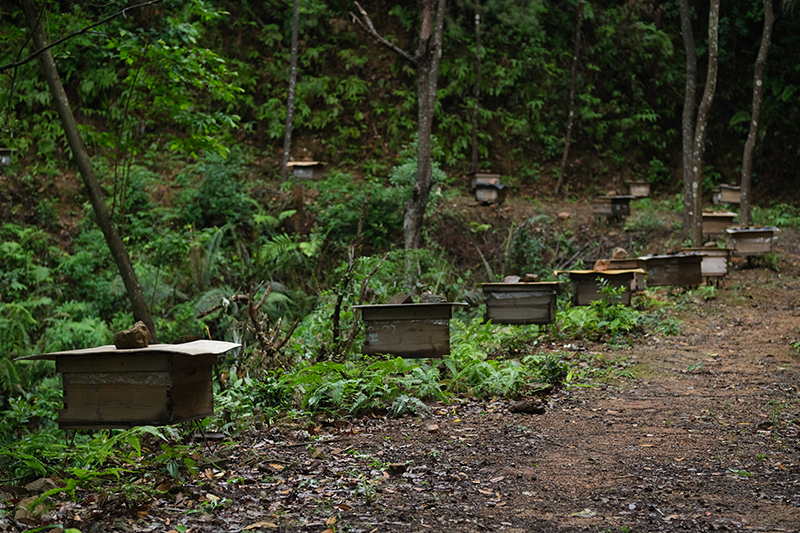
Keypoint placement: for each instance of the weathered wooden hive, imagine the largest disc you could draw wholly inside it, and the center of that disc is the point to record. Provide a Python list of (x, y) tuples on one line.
[(307, 170), (674, 269), (5, 156), (715, 260), (587, 284), (752, 240), (716, 223), (726, 194), (107, 387), (612, 207), (521, 303), (630, 263), (639, 188), (487, 188), (409, 330)]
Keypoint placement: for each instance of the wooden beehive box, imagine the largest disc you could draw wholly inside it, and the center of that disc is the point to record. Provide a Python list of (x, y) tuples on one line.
[(639, 188), (674, 269), (716, 223), (491, 193), (521, 303), (612, 206), (587, 288), (307, 170), (483, 178), (751, 241), (105, 387), (727, 194), (407, 330), (630, 263), (715, 260), (487, 188)]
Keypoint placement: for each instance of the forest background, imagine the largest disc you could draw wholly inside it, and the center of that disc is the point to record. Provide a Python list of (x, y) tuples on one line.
[(183, 108)]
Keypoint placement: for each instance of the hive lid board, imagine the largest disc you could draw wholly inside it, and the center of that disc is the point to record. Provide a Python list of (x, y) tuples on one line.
[(616, 196), (305, 163), (521, 286), (752, 230), (678, 255), (200, 347), (410, 305), (611, 272)]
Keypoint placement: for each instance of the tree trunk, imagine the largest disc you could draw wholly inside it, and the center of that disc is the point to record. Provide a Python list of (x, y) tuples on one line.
[(702, 120), (82, 159), (287, 139), (758, 96), (688, 111), (428, 57), (476, 106), (571, 113)]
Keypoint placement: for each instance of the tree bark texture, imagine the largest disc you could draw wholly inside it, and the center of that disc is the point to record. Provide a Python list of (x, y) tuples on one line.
[(571, 113), (428, 58), (702, 120), (690, 93), (476, 105), (287, 138), (758, 97), (84, 163)]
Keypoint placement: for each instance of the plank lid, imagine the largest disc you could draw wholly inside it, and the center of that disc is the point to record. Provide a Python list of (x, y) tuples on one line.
[(611, 272), (201, 347)]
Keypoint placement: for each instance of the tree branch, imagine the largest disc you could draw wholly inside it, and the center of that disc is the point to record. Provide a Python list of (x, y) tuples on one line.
[(366, 23), (71, 35)]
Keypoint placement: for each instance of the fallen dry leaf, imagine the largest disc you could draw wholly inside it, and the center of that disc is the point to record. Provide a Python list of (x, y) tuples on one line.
[(261, 524)]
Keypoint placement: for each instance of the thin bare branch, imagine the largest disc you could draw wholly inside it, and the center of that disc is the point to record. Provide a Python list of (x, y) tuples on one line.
[(34, 55), (362, 295), (288, 336), (366, 23)]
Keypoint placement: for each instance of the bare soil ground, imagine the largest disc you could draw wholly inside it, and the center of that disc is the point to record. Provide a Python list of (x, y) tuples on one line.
[(704, 438)]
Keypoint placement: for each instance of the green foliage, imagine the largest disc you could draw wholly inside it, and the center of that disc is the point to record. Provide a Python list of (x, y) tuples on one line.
[(219, 198), (404, 175), (602, 319), (661, 322), (246, 399), (658, 172), (353, 387), (25, 253), (782, 216), (338, 207), (71, 327)]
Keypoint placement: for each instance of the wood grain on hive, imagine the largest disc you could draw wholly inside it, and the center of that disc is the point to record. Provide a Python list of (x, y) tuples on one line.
[(105, 387)]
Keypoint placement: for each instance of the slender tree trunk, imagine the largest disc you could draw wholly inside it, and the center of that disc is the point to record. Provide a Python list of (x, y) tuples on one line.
[(287, 139), (429, 55), (758, 96), (82, 159), (476, 105), (688, 111), (571, 113), (702, 120)]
